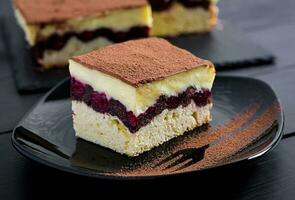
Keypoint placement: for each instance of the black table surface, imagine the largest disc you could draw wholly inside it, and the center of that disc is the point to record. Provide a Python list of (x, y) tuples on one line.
[(271, 24)]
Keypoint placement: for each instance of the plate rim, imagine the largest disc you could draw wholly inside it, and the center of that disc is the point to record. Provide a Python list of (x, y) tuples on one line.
[(27, 152)]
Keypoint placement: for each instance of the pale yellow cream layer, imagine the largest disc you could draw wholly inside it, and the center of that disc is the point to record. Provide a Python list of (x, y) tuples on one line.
[(121, 19), (138, 99), (179, 19)]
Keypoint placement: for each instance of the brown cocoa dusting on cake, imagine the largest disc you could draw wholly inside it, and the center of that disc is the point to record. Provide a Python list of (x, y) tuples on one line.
[(47, 11), (224, 142), (141, 61)]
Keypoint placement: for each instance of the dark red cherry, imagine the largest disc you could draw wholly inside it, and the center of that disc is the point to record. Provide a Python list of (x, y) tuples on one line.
[(159, 5), (173, 102), (194, 3), (132, 119), (99, 102), (77, 89)]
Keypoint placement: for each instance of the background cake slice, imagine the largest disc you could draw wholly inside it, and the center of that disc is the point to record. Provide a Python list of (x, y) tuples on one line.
[(175, 17), (58, 30), (133, 96)]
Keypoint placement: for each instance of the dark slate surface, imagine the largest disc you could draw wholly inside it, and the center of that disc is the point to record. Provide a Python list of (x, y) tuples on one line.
[(13, 105), (279, 40), (225, 46), (4, 64), (253, 15)]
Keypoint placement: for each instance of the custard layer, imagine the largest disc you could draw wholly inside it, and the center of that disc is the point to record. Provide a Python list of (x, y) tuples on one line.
[(138, 99), (179, 20)]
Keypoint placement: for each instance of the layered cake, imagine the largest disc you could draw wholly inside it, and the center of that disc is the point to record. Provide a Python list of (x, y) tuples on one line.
[(175, 17), (59, 29), (133, 96)]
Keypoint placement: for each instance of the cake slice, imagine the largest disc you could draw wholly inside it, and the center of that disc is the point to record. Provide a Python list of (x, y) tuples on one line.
[(58, 30), (133, 96), (175, 17)]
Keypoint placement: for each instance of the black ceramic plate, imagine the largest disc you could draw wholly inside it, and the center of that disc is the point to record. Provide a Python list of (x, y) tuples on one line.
[(247, 123)]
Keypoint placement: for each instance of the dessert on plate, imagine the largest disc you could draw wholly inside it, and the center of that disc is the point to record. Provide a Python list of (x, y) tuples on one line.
[(136, 95), (58, 30), (175, 17)]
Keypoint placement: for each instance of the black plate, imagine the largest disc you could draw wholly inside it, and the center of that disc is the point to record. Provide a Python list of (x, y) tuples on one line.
[(226, 47), (247, 123)]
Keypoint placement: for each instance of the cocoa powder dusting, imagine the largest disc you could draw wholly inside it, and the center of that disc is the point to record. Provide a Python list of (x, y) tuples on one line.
[(141, 61), (49, 11)]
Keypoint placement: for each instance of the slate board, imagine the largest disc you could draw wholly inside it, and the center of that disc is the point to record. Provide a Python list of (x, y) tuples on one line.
[(226, 48)]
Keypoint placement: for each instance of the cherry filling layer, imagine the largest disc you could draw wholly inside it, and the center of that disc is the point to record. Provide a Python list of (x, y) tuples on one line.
[(100, 103), (57, 41), (160, 5)]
